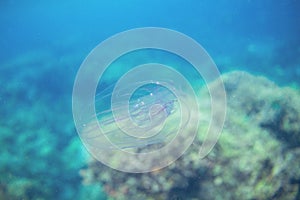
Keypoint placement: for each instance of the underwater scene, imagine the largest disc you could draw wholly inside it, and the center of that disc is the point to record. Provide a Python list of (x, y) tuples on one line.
[(150, 100)]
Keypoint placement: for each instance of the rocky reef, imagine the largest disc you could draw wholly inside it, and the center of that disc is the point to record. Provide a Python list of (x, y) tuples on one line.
[(40, 152), (256, 157)]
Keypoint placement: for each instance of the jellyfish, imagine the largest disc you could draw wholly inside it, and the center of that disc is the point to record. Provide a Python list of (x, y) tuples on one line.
[(152, 108)]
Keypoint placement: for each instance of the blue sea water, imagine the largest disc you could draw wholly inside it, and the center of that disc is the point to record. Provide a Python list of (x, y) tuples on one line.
[(43, 43)]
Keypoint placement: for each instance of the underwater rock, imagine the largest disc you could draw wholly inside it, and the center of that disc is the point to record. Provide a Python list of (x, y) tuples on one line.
[(38, 141), (256, 157), (271, 107)]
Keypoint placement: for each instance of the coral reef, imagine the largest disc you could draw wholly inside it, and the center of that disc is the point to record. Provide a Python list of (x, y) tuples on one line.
[(256, 157)]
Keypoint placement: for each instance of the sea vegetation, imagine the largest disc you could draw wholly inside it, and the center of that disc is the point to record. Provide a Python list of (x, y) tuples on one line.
[(40, 152), (257, 155)]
